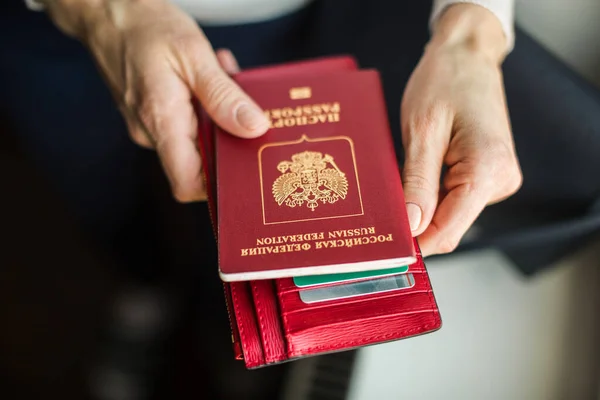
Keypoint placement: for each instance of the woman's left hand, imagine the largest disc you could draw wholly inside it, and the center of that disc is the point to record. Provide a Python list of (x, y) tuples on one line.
[(454, 113)]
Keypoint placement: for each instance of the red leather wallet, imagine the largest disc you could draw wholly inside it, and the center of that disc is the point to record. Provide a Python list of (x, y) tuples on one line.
[(271, 324)]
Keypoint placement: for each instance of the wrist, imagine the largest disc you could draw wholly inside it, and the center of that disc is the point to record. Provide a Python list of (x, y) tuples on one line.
[(73, 16), (470, 28)]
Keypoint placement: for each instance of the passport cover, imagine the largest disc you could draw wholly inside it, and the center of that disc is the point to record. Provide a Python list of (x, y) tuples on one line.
[(320, 192), (269, 322)]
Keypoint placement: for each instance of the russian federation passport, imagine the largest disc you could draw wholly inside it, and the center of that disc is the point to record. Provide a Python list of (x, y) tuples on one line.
[(315, 249)]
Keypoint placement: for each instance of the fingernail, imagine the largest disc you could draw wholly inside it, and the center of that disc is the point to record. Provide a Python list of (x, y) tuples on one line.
[(250, 117), (414, 215)]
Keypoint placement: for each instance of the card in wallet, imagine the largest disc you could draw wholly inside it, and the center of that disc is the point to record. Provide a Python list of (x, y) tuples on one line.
[(270, 323)]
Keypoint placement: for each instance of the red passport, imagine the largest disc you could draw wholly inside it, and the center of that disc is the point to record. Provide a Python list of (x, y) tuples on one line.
[(320, 192), (270, 322)]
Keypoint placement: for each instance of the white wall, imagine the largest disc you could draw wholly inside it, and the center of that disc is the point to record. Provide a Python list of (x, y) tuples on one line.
[(569, 28)]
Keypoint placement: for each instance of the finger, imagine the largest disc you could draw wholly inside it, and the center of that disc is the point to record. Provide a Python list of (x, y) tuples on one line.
[(425, 140), (165, 112), (456, 212), (137, 131), (226, 103), (228, 61), (183, 167)]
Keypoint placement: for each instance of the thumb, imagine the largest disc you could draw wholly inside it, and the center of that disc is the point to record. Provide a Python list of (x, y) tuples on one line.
[(425, 145), (226, 103)]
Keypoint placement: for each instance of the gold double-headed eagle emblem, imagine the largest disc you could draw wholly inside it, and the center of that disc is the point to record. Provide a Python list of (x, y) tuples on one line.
[(310, 178)]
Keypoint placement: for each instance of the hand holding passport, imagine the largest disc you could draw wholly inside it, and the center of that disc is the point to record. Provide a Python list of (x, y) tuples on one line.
[(315, 249)]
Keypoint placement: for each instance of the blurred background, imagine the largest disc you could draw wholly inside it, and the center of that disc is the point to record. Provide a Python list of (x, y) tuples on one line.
[(506, 336), (72, 326)]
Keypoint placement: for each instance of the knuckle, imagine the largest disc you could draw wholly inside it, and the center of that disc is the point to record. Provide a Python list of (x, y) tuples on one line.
[(190, 45), (154, 111), (220, 95), (514, 182), (471, 188), (136, 132), (181, 195), (494, 164), (146, 111), (414, 180), (129, 97), (425, 121), (500, 153), (137, 136), (483, 153), (140, 138), (422, 125), (447, 245), (518, 181), (506, 167)]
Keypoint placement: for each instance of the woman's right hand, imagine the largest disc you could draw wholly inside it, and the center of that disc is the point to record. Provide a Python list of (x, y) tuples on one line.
[(155, 59)]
